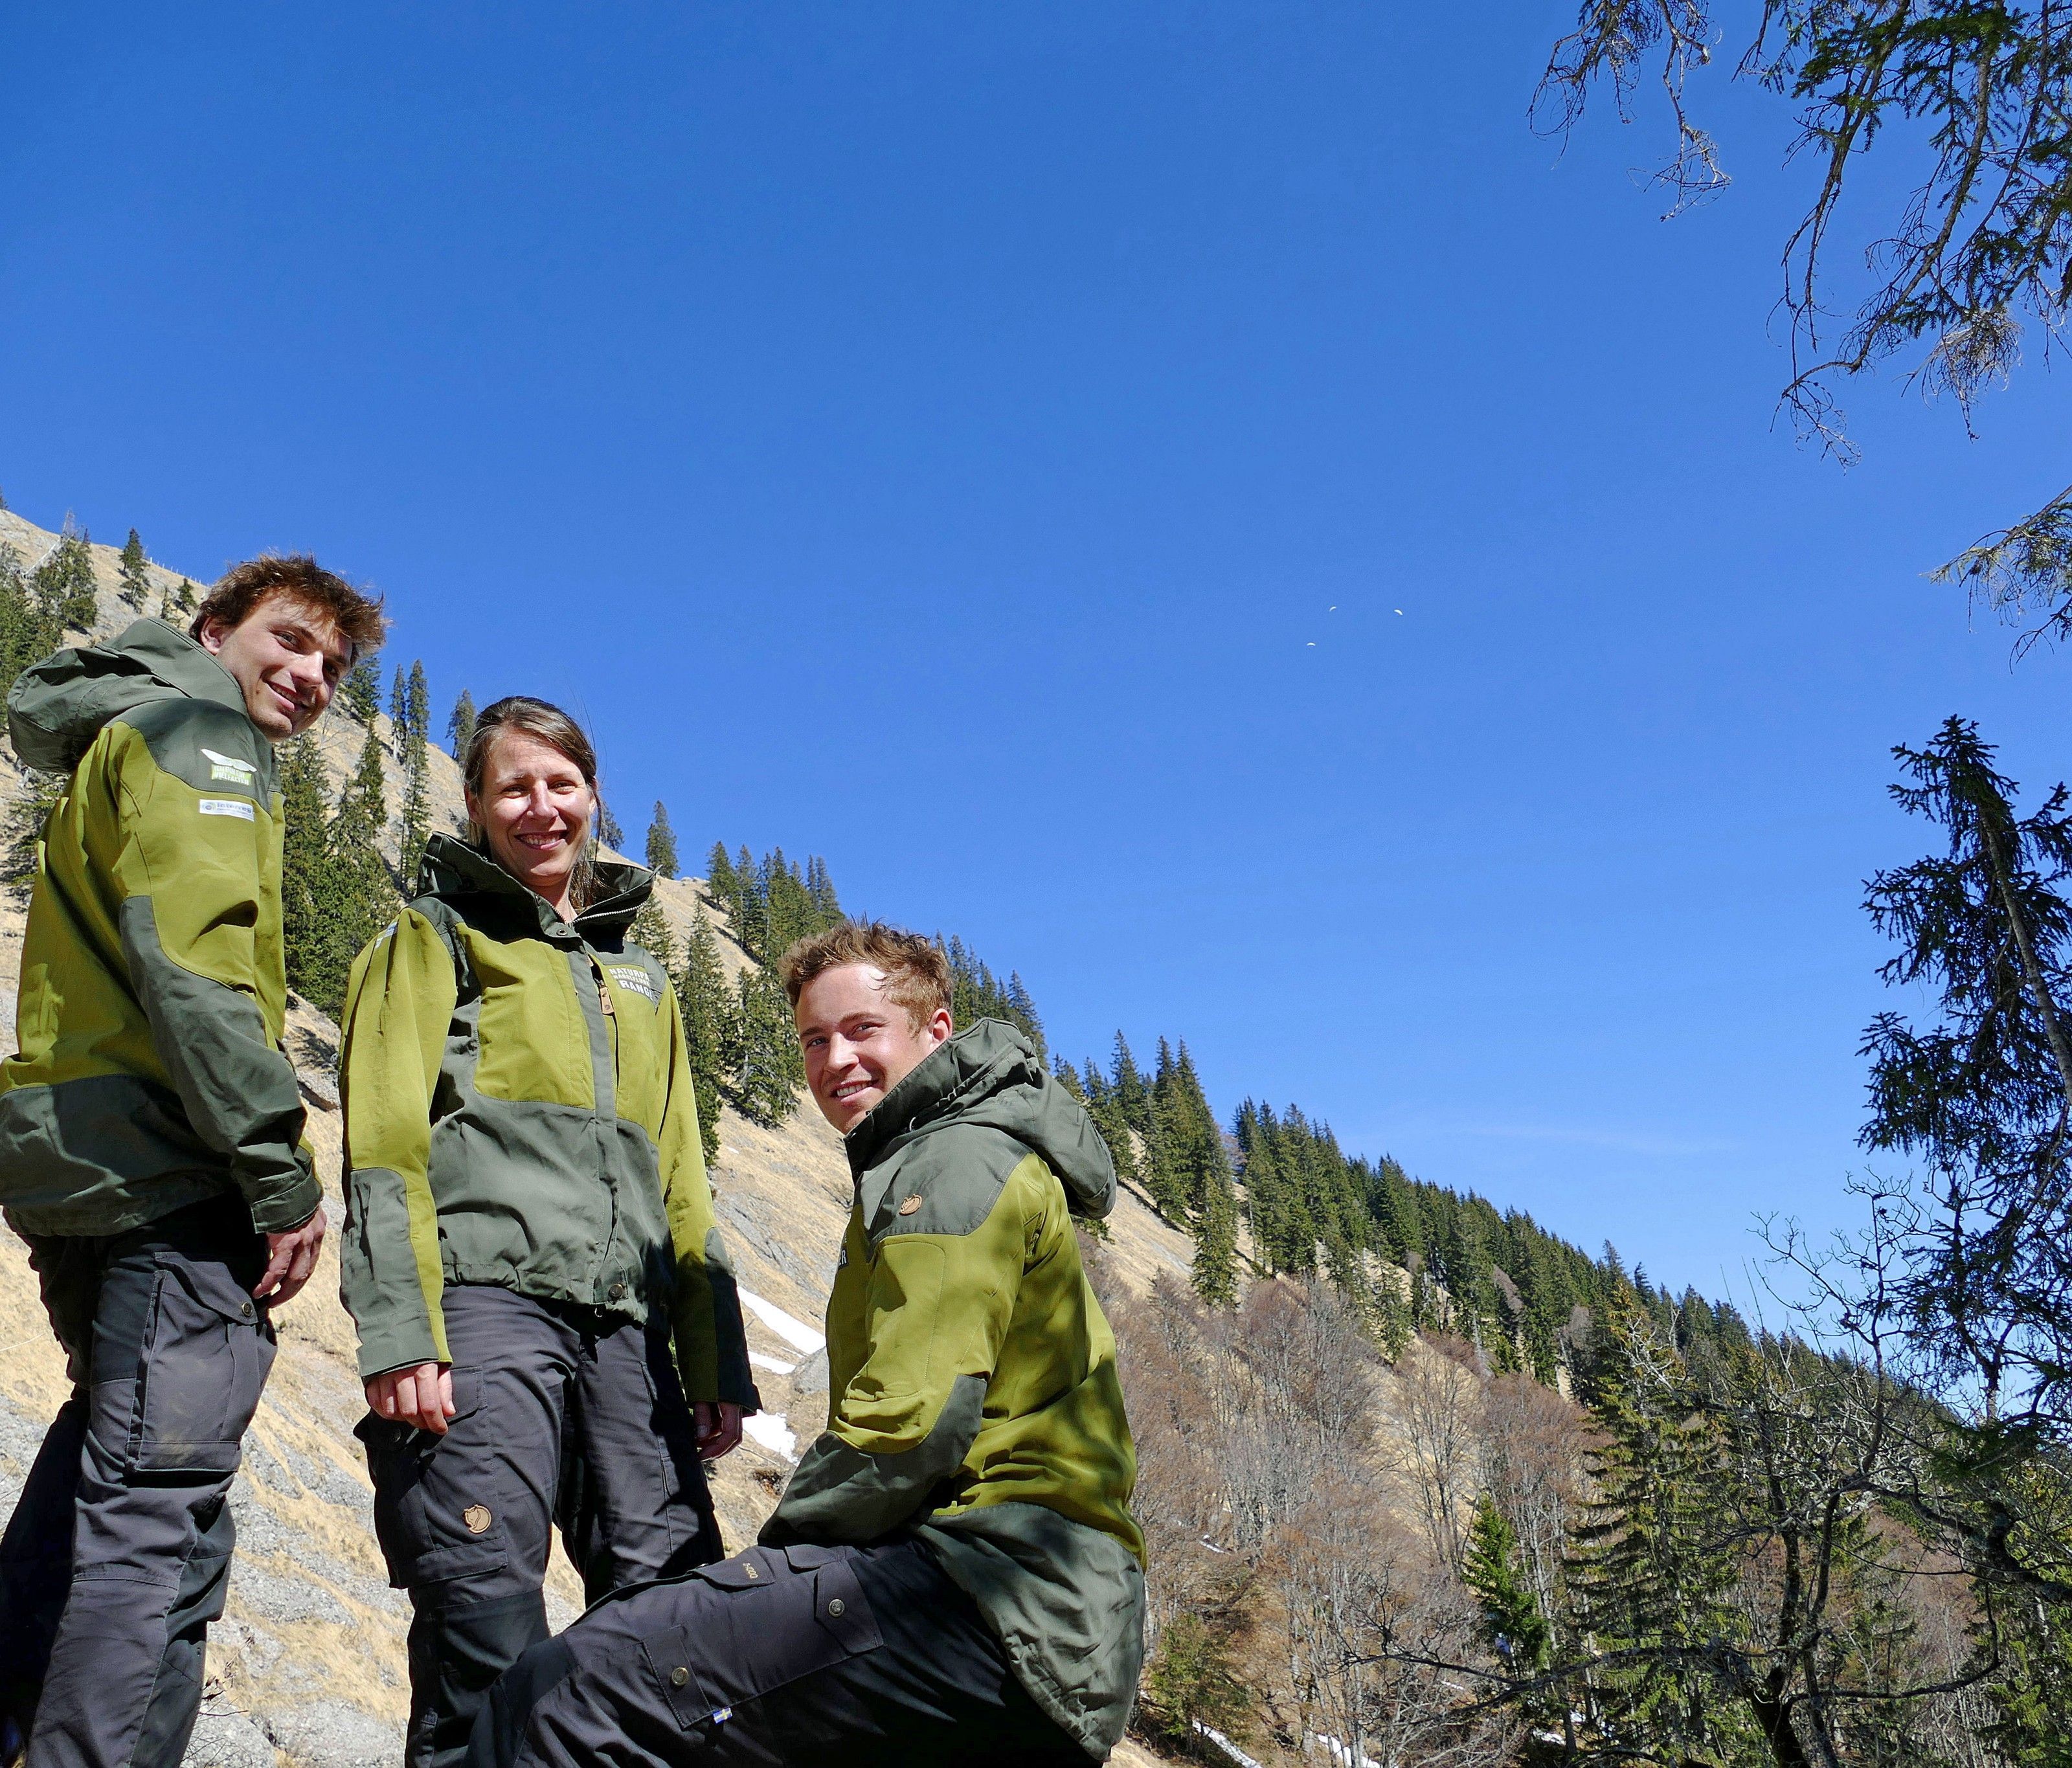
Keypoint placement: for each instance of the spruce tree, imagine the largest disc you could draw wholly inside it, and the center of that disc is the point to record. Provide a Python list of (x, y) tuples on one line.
[(1651, 1569), (460, 724), (308, 918), (1132, 1093), (707, 1011), (1214, 1273), (361, 691), (651, 932), (399, 705), (27, 632), (136, 580), (1492, 1567), (661, 844), (418, 703), (608, 831), (767, 1067), (63, 582), (722, 880), (413, 735), (363, 899)]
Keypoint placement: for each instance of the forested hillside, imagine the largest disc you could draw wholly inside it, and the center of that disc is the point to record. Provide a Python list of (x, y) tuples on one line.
[(1423, 1484)]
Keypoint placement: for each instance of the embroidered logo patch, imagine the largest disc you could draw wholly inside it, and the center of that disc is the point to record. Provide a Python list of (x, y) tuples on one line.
[(227, 807), (230, 767), (477, 1517), (911, 1206), (635, 980)]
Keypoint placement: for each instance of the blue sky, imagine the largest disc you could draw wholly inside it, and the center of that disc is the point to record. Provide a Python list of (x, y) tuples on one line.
[(990, 446)]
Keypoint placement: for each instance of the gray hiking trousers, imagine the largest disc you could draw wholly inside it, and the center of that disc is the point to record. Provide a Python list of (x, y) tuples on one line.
[(564, 1416), (793, 1657), (117, 1556)]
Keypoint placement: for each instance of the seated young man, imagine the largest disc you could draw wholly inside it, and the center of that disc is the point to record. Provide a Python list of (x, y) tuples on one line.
[(953, 1574)]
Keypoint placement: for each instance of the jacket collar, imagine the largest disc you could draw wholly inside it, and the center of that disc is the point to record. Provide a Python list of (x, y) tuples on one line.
[(455, 871)]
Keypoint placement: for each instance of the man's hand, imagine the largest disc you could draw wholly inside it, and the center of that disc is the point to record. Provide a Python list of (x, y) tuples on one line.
[(718, 1424), (291, 1258), (422, 1396)]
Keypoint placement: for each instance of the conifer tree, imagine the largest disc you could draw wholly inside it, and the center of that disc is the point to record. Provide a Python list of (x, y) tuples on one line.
[(722, 880), (1133, 1094), (364, 897), (308, 921), (460, 724), (136, 580), (63, 582), (1491, 1567), (418, 703), (361, 691), (412, 734), (661, 844), (651, 932), (27, 632), (608, 831), (1214, 1273), (1650, 1575), (708, 1009), (767, 1068), (399, 705)]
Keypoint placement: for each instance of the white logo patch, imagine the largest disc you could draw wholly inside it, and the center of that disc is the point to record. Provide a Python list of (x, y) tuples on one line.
[(230, 767), (635, 980), (227, 807)]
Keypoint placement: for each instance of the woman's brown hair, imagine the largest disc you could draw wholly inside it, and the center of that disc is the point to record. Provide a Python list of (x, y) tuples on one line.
[(555, 728)]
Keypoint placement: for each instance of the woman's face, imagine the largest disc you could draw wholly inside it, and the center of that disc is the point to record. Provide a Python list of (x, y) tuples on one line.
[(535, 806)]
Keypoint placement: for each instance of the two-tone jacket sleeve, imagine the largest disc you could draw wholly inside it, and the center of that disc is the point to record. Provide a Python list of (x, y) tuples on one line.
[(712, 1347), (192, 871), (399, 1004), (935, 1311)]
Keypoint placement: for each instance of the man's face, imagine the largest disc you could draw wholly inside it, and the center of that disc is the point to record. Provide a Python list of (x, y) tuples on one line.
[(859, 1045), (288, 660)]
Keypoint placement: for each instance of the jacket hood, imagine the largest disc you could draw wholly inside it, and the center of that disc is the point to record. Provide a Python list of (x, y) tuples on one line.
[(454, 872), (59, 706), (989, 1074)]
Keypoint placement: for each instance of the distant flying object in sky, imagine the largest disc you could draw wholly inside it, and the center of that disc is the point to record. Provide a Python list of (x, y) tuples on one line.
[(1399, 611)]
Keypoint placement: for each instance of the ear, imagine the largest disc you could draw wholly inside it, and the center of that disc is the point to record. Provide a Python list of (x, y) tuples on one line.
[(940, 1025), (213, 632)]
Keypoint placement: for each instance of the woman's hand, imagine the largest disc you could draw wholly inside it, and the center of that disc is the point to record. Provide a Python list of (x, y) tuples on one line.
[(422, 1396), (718, 1422)]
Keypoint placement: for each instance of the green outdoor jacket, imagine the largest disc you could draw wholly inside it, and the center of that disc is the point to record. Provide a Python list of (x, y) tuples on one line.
[(518, 1112), (973, 1377), (148, 1074)]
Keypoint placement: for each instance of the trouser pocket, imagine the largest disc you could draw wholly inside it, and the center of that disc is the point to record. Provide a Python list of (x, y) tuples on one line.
[(181, 1355), (761, 1620), (439, 1503)]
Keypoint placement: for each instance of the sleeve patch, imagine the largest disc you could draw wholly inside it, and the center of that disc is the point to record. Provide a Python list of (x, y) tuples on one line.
[(237, 771), (227, 806)]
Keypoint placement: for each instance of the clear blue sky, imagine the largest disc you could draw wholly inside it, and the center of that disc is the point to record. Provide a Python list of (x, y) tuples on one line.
[(990, 445)]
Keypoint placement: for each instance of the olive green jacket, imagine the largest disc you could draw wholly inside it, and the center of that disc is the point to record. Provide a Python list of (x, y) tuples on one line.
[(149, 1073), (518, 1112), (972, 1376)]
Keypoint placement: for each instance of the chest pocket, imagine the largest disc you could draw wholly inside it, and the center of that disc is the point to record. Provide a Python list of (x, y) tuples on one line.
[(533, 1039)]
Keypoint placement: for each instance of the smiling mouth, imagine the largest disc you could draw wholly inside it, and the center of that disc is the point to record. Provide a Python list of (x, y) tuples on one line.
[(850, 1088)]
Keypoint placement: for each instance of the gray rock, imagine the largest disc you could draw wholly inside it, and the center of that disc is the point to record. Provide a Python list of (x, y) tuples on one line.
[(330, 1734)]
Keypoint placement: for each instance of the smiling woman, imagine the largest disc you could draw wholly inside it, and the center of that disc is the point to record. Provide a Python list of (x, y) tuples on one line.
[(530, 1228)]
